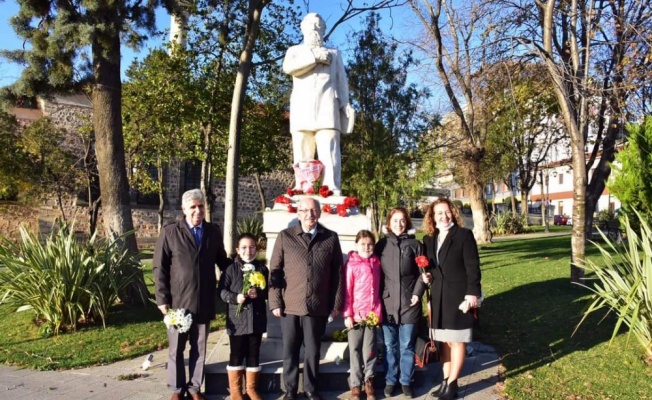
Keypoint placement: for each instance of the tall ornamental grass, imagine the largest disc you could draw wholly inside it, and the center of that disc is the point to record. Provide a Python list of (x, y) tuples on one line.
[(624, 284), (64, 281)]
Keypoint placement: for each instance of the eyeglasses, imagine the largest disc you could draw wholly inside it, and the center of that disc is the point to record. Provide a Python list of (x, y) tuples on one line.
[(309, 211)]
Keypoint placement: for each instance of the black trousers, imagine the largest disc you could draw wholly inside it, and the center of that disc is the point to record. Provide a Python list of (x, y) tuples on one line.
[(303, 330), (245, 347)]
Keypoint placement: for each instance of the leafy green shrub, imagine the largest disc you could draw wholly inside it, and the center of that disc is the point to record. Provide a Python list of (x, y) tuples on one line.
[(254, 226), (65, 281), (604, 217), (624, 284), (508, 224)]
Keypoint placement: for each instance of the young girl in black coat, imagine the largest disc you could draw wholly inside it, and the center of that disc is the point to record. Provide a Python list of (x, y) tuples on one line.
[(246, 316)]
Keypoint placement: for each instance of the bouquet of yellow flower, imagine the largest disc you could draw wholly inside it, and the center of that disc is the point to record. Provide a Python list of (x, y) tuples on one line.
[(251, 278), (371, 321)]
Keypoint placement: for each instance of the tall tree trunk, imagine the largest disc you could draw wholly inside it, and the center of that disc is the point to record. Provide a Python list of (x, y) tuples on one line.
[(160, 170), (478, 210), (109, 144), (261, 192), (235, 127), (573, 115)]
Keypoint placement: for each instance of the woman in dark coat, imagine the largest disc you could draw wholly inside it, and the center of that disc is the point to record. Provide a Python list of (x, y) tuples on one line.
[(246, 317), (401, 290), (453, 252)]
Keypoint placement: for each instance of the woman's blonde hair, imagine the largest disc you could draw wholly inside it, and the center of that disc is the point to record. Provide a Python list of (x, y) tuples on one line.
[(429, 224)]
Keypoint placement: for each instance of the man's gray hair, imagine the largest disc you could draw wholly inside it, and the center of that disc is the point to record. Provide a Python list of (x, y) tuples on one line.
[(191, 195)]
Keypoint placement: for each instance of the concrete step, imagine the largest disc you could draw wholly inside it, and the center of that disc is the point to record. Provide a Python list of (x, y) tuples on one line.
[(333, 376)]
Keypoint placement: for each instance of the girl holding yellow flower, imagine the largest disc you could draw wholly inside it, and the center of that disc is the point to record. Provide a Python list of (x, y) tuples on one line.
[(362, 312), (243, 286)]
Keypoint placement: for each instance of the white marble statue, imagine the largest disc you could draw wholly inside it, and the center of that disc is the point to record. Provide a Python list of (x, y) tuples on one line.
[(319, 106)]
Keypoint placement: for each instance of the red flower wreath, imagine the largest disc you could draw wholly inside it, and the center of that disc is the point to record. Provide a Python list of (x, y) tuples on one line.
[(324, 192), (280, 199)]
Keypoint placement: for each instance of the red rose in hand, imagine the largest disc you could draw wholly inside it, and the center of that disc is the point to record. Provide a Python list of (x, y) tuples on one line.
[(422, 262)]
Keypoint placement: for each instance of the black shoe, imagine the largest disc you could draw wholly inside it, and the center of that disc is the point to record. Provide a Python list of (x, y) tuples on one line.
[(312, 395), (407, 391), (289, 396), (451, 391), (389, 390), (441, 389)]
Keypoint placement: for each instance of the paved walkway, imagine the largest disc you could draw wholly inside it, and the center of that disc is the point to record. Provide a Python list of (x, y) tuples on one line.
[(126, 380)]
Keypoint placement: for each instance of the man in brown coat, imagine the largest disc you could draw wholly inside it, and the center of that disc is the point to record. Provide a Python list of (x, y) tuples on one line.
[(185, 257), (305, 288)]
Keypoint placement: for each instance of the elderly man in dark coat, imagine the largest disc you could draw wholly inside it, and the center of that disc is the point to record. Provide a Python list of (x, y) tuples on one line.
[(184, 263), (305, 288)]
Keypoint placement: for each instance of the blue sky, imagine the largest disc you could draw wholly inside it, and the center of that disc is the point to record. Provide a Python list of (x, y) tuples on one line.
[(330, 10)]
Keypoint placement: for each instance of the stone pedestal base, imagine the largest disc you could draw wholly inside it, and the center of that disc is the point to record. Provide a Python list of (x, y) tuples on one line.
[(277, 219)]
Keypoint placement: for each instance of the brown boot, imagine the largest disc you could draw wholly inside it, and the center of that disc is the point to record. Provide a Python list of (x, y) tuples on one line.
[(235, 383), (355, 393), (369, 390), (252, 383)]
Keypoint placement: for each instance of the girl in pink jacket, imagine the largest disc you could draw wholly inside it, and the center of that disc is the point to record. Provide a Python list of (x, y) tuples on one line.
[(362, 312)]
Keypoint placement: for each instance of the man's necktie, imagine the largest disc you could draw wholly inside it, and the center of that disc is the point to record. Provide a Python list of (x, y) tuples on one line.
[(195, 233), (306, 237)]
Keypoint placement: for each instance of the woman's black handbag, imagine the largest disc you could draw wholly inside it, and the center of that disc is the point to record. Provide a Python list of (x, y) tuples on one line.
[(425, 350)]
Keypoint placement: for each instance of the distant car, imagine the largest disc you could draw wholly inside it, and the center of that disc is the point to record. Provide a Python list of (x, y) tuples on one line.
[(560, 220), (569, 220)]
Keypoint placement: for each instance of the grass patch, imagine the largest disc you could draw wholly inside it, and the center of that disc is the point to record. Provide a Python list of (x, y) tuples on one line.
[(130, 332), (530, 315)]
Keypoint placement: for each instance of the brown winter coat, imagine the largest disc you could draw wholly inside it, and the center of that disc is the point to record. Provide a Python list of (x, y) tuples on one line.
[(305, 280)]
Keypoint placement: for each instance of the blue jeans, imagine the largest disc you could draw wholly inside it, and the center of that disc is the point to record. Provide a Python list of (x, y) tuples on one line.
[(399, 351)]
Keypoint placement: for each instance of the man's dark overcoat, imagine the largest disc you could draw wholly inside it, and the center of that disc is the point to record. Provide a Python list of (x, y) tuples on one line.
[(184, 273)]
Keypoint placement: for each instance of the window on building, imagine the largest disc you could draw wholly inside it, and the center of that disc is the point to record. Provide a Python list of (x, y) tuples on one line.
[(150, 198), (560, 208), (192, 175), (561, 179)]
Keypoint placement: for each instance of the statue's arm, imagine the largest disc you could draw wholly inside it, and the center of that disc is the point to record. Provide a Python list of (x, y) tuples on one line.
[(299, 60), (342, 83)]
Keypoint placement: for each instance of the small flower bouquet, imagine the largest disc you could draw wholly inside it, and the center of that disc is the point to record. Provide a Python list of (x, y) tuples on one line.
[(251, 278), (370, 321), (178, 319)]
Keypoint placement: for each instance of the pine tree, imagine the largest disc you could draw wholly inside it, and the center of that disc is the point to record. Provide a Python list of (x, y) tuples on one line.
[(74, 46)]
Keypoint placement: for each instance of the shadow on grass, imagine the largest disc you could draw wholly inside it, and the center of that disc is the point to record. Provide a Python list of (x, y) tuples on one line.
[(532, 325)]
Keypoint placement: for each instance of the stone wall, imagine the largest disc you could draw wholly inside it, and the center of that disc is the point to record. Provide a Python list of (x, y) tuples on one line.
[(41, 218), (13, 215), (73, 112)]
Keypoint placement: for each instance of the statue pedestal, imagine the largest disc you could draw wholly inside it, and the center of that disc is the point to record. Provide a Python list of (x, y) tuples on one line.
[(277, 219)]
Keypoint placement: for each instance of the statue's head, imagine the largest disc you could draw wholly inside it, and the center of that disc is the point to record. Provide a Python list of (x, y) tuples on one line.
[(313, 28)]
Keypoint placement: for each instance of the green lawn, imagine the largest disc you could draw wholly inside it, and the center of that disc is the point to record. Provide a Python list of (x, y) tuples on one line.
[(129, 333), (529, 317)]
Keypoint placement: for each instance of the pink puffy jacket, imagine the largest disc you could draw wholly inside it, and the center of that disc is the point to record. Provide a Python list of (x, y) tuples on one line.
[(362, 287)]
